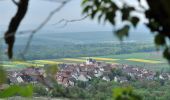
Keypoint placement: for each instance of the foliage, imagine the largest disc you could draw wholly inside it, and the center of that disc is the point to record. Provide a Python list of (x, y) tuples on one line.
[(97, 89), (2, 75), (107, 9), (40, 89), (22, 6), (82, 50), (158, 15), (51, 70), (13, 90), (58, 91), (125, 94)]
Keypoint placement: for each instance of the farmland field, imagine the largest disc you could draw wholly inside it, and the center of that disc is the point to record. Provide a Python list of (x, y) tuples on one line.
[(102, 59), (73, 60), (151, 61), (144, 61), (46, 62)]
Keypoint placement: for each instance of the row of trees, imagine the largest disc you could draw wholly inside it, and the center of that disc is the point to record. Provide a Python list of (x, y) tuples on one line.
[(101, 90), (81, 50)]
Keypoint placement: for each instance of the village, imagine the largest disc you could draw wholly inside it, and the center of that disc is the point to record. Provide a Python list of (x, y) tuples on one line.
[(68, 74)]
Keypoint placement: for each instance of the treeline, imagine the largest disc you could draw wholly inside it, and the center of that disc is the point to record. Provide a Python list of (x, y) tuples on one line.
[(80, 50), (93, 90), (101, 90), (97, 89)]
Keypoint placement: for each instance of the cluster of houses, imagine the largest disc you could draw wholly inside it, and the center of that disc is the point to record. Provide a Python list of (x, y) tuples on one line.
[(69, 74), (28, 75), (139, 73)]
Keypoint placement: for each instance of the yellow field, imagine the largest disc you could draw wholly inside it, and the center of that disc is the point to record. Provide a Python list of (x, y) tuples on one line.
[(40, 63), (24, 63), (20, 63), (112, 63), (71, 59), (8, 65), (103, 59), (47, 62), (144, 61)]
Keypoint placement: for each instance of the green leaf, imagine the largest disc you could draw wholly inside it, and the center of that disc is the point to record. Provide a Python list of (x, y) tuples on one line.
[(153, 26), (86, 9), (52, 69), (122, 32), (93, 14), (160, 39), (126, 12), (125, 15), (2, 75), (125, 93), (99, 17), (134, 21), (84, 2), (98, 8), (11, 91), (25, 91), (97, 3), (110, 17), (166, 53)]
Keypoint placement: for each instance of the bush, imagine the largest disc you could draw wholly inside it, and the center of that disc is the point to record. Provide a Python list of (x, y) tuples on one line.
[(40, 90)]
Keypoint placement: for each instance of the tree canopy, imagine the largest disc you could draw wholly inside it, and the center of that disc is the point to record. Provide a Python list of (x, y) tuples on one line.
[(158, 16)]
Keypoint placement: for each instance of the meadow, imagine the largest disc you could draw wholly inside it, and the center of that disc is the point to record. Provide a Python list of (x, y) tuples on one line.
[(152, 61)]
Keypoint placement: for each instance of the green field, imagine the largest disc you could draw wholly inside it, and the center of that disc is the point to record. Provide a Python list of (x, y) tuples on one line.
[(152, 61), (153, 56)]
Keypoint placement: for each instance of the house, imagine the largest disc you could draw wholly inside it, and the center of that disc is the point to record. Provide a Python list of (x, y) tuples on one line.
[(106, 78), (123, 79), (116, 79), (19, 79), (72, 81), (83, 77), (65, 82), (98, 73), (90, 61), (90, 74), (83, 72), (13, 80), (107, 68), (26, 78), (120, 79)]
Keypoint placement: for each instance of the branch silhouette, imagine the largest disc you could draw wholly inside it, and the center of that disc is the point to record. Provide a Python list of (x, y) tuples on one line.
[(33, 32), (15, 2), (67, 21), (14, 24)]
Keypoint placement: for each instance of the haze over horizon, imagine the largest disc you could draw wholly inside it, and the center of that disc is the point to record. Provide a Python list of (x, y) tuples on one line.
[(38, 12), (81, 31)]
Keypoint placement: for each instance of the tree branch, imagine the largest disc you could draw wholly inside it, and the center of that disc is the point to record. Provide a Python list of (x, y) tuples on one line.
[(14, 24), (66, 21), (16, 3), (59, 1), (33, 32)]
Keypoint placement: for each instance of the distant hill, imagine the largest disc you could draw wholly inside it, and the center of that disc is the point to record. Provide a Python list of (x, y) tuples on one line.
[(81, 38)]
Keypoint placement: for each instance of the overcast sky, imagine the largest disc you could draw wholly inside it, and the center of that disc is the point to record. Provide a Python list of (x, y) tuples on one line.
[(39, 10)]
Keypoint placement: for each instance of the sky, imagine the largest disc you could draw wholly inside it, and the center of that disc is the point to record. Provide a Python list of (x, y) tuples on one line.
[(39, 10)]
